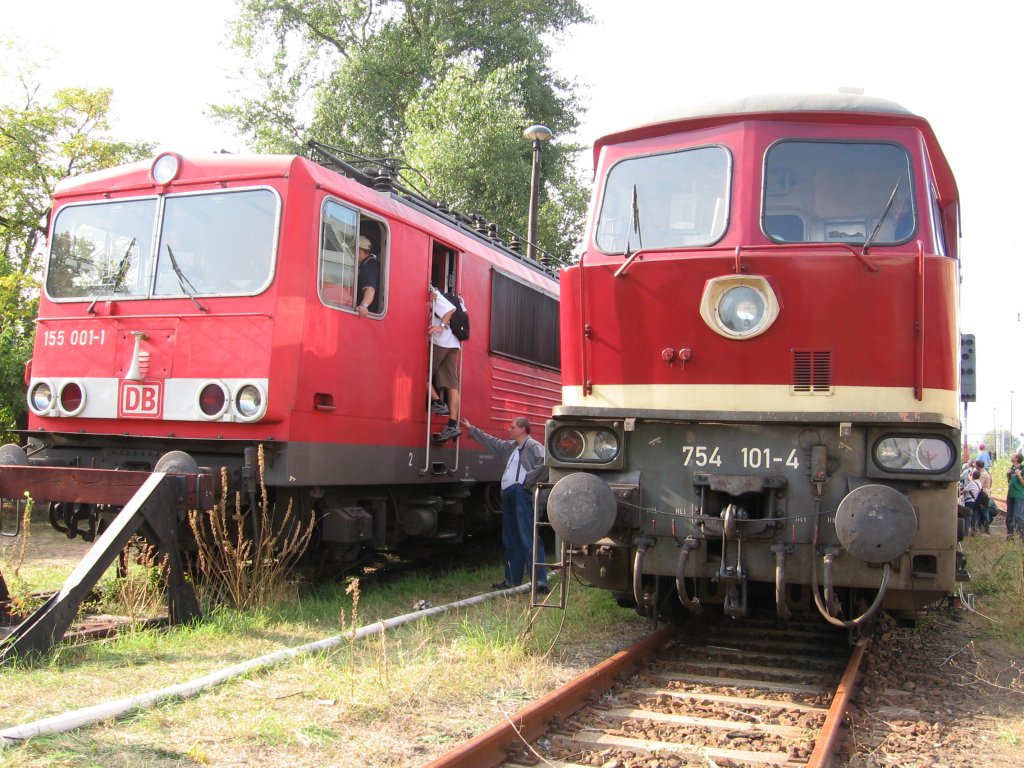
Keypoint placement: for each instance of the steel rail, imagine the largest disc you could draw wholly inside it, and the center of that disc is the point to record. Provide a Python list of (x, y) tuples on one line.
[(492, 747), (824, 746)]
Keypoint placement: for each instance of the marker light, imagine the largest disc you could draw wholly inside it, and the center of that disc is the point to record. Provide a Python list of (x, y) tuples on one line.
[(212, 399), (914, 453), (72, 398), (166, 167), (597, 445)]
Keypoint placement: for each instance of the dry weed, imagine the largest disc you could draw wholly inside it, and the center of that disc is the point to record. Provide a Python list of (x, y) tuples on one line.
[(236, 570)]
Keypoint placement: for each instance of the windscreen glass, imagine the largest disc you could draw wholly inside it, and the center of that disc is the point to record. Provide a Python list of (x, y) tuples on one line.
[(670, 200), (219, 243), (822, 192)]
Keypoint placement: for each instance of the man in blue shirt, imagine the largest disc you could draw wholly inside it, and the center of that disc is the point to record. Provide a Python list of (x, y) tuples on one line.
[(984, 455), (524, 467)]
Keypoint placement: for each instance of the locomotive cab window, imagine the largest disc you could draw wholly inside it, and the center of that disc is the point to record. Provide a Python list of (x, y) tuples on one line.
[(672, 200), (102, 250), (847, 192), (220, 243), (347, 265)]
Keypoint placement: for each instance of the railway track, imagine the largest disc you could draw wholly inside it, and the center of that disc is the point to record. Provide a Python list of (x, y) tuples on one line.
[(726, 695)]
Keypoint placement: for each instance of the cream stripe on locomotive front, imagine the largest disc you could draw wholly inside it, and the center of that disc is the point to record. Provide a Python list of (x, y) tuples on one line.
[(759, 398), (174, 399)]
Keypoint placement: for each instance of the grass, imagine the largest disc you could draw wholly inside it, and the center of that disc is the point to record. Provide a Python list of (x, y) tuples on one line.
[(996, 565), (395, 699)]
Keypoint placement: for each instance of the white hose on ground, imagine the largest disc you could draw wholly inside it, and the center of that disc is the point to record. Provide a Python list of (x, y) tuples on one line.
[(77, 718)]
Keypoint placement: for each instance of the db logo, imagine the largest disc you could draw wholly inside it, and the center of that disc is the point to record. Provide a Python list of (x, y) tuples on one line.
[(140, 400)]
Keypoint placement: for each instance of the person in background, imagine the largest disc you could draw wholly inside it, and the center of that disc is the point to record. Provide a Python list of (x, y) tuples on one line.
[(984, 456), (368, 284), (524, 468), (969, 496), (445, 369), (987, 512), (1015, 498)]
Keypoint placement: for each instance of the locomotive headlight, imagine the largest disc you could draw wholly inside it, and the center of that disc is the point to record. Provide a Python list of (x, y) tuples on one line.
[(739, 306), (165, 168), (250, 402), (914, 453), (40, 398), (606, 445), (582, 445)]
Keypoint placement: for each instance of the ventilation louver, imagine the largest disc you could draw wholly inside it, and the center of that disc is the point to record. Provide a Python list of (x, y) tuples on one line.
[(812, 372)]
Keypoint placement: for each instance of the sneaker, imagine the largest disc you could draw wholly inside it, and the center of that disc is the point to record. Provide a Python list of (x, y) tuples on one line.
[(501, 585), (439, 407), (446, 434), (541, 589)]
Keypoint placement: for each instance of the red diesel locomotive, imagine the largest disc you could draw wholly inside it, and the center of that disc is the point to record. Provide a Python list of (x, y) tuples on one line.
[(760, 370), (208, 306)]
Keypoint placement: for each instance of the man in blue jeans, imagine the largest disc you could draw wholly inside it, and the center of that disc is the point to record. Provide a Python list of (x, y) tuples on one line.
[(524, 467)]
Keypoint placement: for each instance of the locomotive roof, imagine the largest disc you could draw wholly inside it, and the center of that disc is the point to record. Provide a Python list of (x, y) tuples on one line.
[(201, 169), (815, 107)]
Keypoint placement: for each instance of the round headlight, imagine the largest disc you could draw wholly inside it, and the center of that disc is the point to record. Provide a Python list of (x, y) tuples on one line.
[(40, 397), (914, 454), (567, 444), (934, 454), (249, 401), (741, 309), (165, 168), (739, 306), (606, 445)]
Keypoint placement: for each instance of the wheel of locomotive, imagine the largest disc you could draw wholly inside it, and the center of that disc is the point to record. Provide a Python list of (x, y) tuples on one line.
[(492, 499), (670, 607)]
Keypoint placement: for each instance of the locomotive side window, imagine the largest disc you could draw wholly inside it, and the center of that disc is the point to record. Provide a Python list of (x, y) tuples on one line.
[(341, 228), (216, 244), (102, 250), (524, 322), (820, 192), (672, 200)]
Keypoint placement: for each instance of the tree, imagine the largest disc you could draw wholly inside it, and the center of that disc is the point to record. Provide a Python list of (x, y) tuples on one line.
[(385, 78), (41, 142)]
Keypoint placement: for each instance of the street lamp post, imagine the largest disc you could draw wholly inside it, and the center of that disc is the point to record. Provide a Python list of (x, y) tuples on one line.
[(537, 134), (1013, 436)]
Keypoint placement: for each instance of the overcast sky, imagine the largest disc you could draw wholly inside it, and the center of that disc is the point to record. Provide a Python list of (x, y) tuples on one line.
[(955, 63)]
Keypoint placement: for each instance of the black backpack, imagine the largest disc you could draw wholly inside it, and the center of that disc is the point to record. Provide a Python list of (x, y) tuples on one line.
[(981, 501), (459, 321)]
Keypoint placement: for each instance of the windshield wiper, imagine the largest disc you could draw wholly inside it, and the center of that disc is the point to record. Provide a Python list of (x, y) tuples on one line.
[(183, 281), (117, 280), (634, 222), (634, 226), (888, 207)]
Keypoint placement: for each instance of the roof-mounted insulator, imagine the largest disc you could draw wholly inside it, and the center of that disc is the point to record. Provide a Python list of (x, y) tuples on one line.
[(384, 180)]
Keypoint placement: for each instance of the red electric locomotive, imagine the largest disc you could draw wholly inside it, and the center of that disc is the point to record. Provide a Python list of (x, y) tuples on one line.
[(760, 355), (209, 305)]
